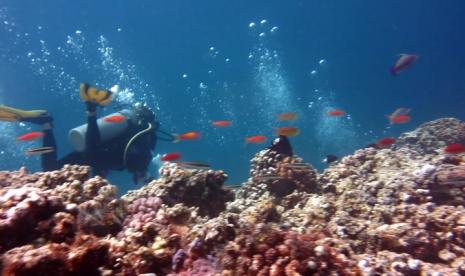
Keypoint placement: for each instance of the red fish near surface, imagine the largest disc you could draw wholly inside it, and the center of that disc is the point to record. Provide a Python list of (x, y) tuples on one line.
[(386, 142), (30, 136), (221, 123), (404, 62), (115, 119), (400, 119), (170, 156), (336, 113), (454, 148), (258, 139)]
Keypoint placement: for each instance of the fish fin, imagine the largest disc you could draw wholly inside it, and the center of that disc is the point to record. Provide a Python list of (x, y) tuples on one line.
[(176, 138), (94, 95), (31, 116)]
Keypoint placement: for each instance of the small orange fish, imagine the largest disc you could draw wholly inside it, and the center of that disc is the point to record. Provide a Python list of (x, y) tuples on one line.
[(221, 123), (258, 139), (30, 136), (386, 142), (287, 116), (288, 131), (400, 119), (336, 113), (192, 135), (170, 156), (115, 119)]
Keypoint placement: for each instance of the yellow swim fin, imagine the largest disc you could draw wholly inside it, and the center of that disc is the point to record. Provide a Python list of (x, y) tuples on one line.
[(14, 115), (95, 95)]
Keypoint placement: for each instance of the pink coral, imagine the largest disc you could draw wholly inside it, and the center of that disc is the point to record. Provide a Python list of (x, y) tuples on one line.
[(84, 257), (266, 250), (21, 210)]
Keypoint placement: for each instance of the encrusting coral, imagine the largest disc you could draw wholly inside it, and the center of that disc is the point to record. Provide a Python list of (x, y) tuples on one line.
[(391, 211)]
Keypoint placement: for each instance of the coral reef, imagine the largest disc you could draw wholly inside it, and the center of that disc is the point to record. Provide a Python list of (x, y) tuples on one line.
[(267, 250), (21, 210), (391, 211), (83, 257), (194, 188), (434, 135)]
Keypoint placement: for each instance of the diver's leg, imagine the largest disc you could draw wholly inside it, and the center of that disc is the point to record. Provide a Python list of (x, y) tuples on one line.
[(49, 160), (92, 133), (92, 136)]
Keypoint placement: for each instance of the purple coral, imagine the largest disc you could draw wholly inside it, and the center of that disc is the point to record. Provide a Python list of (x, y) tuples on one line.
[(140, 212), (178, 260)]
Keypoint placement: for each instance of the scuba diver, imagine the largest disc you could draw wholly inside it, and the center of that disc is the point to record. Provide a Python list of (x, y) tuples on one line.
[(102, 144)]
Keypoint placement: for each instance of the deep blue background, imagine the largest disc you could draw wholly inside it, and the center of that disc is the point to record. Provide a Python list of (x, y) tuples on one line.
[(165, 39)]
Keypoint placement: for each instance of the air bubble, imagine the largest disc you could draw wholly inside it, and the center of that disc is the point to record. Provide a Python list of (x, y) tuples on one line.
[(274, 29), (261, 34), (313, 72), (184, 76), (203, 86), (78, 32), (263, 22), (252, 24)]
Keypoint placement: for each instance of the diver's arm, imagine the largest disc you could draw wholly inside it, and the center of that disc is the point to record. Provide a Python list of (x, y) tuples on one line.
[(169, 137)]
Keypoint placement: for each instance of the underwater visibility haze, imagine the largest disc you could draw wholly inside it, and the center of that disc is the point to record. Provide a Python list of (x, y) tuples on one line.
[(243, 62), (231, 138)]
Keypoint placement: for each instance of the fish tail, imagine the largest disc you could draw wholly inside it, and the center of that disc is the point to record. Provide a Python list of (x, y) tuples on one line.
[(393, 71), (176, 138)]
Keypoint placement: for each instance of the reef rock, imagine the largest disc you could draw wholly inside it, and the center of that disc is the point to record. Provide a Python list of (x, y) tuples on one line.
[(391, 211), (194, 188), (434, 135)]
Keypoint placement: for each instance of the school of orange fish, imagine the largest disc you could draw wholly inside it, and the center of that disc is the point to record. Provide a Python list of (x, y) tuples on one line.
[(399, 116)]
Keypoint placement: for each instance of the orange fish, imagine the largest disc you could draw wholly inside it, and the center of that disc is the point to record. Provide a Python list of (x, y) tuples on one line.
[(30, 136), (288, 131), (115, 119), (192, 135), (336, 113), (258, 139), (287, 116), (400, 119), (170, 156), (386, 142), (221, 123)]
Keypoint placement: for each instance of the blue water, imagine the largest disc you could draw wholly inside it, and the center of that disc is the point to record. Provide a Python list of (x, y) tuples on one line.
[(145, 47)]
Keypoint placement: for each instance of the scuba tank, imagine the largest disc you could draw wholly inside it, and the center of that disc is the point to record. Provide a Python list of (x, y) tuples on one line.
[(108, 130)]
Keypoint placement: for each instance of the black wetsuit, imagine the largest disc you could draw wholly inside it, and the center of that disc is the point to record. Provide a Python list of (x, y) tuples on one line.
[(106, 156)]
